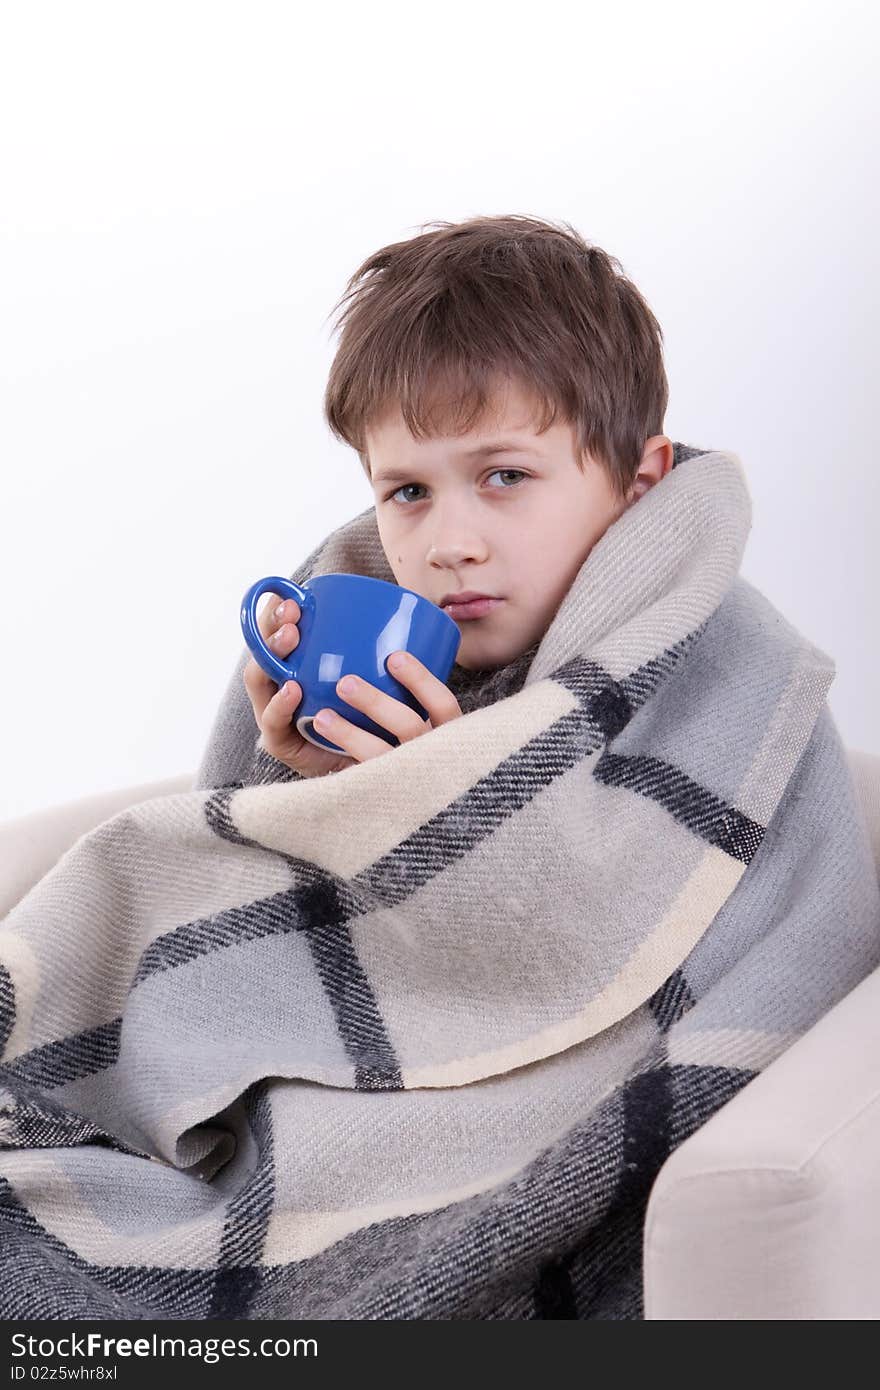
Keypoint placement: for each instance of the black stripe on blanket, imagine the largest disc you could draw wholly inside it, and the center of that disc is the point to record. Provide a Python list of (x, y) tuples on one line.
[(671, 1001), (662, 1108), (605, 708), (42, 1278), (7, 1007), (30, 1119), (647, 1102), (247, 1219), (317, 900), (321, 906), (358, 1016), (66, 1059), (554, 1296), (641, 683), (704, 814)]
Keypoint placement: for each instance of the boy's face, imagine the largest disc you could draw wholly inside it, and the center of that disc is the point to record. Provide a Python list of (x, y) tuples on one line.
[(460, 513)]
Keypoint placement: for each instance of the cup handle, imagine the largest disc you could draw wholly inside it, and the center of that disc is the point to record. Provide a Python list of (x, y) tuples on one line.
[(285, 588)]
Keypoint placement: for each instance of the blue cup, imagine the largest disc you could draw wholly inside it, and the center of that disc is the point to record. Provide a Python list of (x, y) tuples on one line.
[(350, 623)]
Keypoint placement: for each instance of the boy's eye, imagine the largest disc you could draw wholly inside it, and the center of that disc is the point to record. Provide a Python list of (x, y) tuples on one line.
[(392, 496)]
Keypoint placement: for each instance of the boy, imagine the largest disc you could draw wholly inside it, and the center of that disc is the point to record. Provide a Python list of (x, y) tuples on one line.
[(446, 1018), (512, 377)]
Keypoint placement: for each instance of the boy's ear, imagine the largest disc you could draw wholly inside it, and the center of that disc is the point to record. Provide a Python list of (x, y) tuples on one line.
[(656, 463)]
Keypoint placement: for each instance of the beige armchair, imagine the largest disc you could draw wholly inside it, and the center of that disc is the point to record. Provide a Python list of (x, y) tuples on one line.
[(772, 1209)]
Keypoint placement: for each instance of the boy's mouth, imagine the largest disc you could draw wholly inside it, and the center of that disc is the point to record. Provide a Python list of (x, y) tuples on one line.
[(471, 608)]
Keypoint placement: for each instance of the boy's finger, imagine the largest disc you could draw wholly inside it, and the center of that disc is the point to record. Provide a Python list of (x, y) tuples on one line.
[(261, 688), (279, 708), (285, 639), (353, 740), (384, 710), (276, 612), (431, 693), (257, 682)]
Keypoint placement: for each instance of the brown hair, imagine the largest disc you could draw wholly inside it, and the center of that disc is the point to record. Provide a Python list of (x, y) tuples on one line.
[(431, 323)]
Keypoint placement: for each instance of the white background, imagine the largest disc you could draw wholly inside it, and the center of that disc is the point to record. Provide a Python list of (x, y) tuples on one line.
[(185, 189)]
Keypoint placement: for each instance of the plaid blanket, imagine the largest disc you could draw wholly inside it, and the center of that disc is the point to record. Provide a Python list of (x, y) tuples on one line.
[(413, 1040)]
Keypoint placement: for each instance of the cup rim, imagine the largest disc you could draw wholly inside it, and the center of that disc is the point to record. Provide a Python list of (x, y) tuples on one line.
[(388, 583)]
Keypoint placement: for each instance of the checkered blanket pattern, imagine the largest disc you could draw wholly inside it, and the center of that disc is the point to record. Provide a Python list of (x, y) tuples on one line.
[(413, 1040)]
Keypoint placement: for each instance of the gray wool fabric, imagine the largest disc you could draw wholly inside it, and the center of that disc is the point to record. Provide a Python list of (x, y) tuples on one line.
[(414, 1039)]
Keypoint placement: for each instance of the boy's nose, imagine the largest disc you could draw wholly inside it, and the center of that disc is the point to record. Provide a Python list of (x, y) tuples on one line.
[(451, 550)]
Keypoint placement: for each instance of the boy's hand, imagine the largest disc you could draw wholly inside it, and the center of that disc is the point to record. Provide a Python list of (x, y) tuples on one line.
[(273, 707), (386, 711)]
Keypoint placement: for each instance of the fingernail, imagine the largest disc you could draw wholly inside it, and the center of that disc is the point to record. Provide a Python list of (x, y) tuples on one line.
[(347, 685), (397, 661), (279, 611)]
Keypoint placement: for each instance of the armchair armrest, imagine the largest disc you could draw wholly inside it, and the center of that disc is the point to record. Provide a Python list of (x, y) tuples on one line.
[(771, 1210), (30, 845)]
